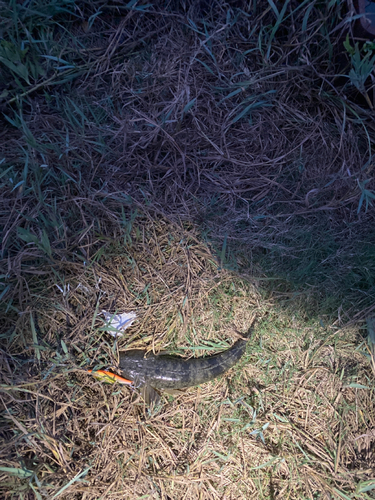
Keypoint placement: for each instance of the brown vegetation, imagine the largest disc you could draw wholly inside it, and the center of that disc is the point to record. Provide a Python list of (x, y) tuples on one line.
[(198, 165)]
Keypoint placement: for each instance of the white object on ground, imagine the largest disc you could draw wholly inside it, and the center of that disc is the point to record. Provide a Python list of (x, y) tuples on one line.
[(120, 322)]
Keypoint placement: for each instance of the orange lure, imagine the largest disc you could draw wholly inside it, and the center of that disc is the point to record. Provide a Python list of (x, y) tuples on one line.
[(109, 377)]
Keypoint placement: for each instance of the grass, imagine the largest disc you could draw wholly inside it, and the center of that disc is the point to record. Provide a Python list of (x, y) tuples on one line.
[(197, 164), (271, 428)]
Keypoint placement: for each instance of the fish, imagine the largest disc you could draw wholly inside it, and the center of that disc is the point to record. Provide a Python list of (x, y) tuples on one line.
[(152, 373)]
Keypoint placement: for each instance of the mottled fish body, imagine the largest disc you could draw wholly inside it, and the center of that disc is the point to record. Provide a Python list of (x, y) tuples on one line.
[(171, 372)]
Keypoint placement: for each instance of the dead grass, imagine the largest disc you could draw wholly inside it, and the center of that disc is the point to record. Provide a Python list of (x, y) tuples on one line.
[(292, 421), (198, 167), (214, 120)]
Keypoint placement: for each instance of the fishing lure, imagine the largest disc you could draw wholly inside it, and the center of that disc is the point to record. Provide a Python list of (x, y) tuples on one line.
[(109, 377)]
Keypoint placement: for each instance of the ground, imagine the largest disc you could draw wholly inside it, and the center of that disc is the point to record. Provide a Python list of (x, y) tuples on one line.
[(202, 165)]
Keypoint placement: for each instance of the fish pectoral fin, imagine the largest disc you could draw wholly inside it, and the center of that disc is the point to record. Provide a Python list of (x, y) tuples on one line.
[(175, 392), (150, 395)]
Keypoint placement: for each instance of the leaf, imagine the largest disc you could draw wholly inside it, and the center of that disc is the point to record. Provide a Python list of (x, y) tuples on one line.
[(306, 16), (20, 69), (371, 329), (75, 478), (12, 122), (205, 65), (360, 202), (223, 250), (266, 464), (78, 110), (211, 54), (220, 455), (370, 194), (342, 495), (366, 486), (37, 494), (57, 59), (5, 171), (274, 8), (25, 235), (250, 107), (194, 26), (130, 4), (232, 94), (277, 24), (357, 386), (60, 68), (45, 243), (93, 17), (348, 47), (18, 185), (165, 118), (3, 293), (188, 106), (63, 345), (282, 419), (13, 471), (143, 7), (35, 338)]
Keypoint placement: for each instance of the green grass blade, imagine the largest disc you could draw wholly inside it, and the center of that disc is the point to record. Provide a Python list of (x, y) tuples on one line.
[(72, 481), (35, 337), (20, 473)]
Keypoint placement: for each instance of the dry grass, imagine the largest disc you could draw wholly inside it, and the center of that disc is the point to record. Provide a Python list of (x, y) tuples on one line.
[(216, 120), (289, 422), (199, 166)]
